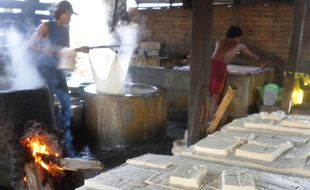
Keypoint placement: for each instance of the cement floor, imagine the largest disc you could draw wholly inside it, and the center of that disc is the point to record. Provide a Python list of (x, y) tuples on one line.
[(118, 155)]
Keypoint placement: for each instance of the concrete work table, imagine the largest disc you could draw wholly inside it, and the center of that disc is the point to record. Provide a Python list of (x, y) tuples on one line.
[(176, 82), (223, 168)]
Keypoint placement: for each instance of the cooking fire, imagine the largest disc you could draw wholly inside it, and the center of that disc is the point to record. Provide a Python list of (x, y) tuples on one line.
[(45, 166)]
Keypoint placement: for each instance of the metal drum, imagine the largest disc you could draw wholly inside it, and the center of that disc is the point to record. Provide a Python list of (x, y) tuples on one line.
[(137, 116)]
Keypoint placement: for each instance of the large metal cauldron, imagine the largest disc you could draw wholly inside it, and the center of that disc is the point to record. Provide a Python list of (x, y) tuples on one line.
[(129, 119)]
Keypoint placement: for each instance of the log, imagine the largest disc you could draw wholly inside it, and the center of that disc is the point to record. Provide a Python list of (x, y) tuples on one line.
[(72, 164), (33, 178), (221, 110)]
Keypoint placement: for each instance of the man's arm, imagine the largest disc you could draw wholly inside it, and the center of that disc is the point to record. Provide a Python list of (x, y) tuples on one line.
[(38, 36), (245, 51)]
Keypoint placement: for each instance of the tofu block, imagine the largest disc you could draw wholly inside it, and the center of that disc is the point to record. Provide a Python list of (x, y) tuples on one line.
[(217, 146), (111, 182), (268, 140), (133, 172), (228, 135), (263, 153), (278, 115), (296, 123), (151, 160), (235, 180), (160, 187), (189, 175), (150, 45), (260, 124), (245, 138), (298, 117)]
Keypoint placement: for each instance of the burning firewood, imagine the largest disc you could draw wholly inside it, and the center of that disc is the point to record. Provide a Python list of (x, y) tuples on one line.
[(79, 164), (45, 163), (34, 178), (39, 142), (72, 164)]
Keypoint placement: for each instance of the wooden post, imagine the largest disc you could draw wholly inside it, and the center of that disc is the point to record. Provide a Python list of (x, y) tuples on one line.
[(221, 110), (187, 4), (115, 16), (201, 43), (300, 9)]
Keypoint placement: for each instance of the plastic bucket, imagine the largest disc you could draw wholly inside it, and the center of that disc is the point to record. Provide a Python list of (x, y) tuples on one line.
[(67, 59), (270, 94)]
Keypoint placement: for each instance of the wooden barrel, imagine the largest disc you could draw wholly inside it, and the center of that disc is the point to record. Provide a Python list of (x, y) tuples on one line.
[(137, 116)]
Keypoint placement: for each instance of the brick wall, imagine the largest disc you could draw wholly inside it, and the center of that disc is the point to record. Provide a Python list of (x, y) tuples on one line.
[(266, 28)]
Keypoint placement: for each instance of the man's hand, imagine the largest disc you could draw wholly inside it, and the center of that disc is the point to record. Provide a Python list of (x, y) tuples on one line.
[(84, 49), (49, 52)]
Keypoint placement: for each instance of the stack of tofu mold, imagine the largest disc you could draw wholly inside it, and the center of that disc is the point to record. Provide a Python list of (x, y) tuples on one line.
[(261, 151), (149, 49)]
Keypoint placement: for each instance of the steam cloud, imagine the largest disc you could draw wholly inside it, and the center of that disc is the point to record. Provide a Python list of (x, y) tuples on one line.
[(95, 31), (22, 71)]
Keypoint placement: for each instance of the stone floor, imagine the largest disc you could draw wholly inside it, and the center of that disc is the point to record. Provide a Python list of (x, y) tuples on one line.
[(118, 155)]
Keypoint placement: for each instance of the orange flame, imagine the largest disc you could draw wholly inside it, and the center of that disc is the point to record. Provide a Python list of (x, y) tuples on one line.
[(25, 179), (38, 149)]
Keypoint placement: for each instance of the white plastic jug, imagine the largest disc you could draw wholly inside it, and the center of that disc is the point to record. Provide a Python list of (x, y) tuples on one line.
[(270, 97), (270, 94)]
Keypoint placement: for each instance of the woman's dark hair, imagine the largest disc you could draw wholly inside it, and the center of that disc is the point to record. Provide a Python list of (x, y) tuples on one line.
[(62, 8), (233, 32)]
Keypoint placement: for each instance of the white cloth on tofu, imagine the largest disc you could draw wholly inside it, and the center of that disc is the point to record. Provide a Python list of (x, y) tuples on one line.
[(282, 126), (151, 160), (189, 175), (277, 115), (111, 182), (262, 124), (296, 123), (217, 146), (263, 152), (235, 180)]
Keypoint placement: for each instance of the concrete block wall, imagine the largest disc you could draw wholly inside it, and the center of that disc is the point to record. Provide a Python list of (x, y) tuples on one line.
[(266, 28)]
